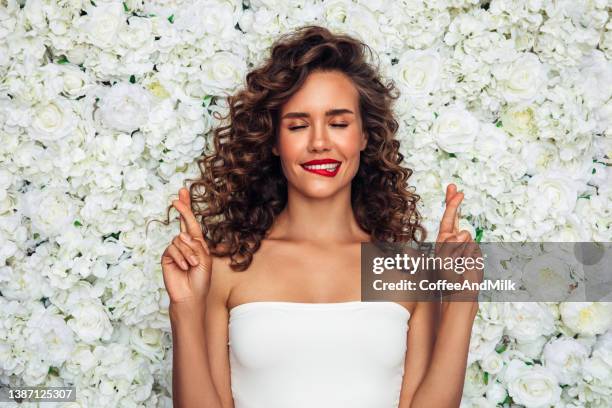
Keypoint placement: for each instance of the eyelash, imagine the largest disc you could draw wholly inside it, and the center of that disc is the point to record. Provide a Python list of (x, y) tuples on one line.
[(340, 125)]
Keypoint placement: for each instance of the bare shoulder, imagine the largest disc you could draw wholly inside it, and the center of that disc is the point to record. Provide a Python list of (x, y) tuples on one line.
[(222, 279)]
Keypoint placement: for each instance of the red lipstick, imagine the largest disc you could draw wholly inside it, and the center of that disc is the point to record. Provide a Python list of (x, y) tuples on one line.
[(322, 167)]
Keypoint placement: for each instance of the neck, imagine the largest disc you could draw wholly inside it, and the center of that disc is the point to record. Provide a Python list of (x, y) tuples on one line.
[(318, 220)]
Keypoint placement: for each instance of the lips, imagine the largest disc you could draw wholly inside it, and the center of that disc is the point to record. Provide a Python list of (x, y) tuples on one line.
[(322, 167)]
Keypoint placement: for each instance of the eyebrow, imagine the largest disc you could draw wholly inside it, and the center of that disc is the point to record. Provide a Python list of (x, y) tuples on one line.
[(331, 112)]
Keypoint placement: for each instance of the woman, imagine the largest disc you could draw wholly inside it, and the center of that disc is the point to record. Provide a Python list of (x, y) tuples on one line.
[(265, 288)]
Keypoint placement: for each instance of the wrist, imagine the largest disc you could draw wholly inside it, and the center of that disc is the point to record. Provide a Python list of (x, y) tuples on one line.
[(188, 309)]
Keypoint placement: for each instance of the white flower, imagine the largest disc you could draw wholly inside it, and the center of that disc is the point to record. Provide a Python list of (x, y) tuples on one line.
[(53, 120), (551, 195), (547, 277), (588, 318), (125, 107), (496, 392), (526, 321), (521, 80), (455, 129), (564, 357), (51, 210), (519, 121), (418, 72), (533, 386), (223, 72), (102, 23), (493, 363), (90, 322)]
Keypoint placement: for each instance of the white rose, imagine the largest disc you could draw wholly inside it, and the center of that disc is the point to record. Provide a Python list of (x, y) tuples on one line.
[(587, 318), (223, 72), (526, 321), (137, 34), (564, 357), (75, 81), (125, 107), (474, 385), (102, 24), (533, 386), (520, 121), (539, 156), (595, 79), (551, 194), (532, 348), (493, 363), (51, 210), (496, 393), (53, 120), (522, 80), (418, 72), (491, 141), (547, 278), (90, 322), (455, 129)]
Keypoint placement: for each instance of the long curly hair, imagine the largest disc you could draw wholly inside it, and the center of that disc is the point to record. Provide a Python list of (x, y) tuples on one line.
[(242, 187)]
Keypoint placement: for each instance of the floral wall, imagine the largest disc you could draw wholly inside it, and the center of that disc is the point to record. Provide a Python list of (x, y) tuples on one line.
[(105, 106)]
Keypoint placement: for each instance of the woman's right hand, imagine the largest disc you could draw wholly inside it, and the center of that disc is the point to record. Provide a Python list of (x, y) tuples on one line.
[(186, 262)]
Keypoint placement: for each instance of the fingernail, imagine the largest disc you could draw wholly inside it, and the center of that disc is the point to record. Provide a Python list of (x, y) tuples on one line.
[(185, 237), (193, 260)]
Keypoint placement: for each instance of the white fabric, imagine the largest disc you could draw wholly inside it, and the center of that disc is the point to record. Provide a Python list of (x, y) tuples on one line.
[(294, 355)]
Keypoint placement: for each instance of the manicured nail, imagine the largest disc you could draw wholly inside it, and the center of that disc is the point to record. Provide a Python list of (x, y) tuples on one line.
[(193, 260)]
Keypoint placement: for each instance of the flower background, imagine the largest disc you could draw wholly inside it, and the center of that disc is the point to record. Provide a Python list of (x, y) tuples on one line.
[(105, 106)]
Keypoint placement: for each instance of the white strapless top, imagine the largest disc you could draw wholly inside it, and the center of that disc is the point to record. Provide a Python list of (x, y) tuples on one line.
[(317, 355)]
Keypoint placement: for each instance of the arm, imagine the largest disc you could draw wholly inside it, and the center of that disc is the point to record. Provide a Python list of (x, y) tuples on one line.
[(192, 384), (448, 364), (420, 344), (198, 316)]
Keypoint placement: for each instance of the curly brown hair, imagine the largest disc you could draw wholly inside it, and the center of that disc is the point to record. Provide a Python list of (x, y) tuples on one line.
[(242, 186)]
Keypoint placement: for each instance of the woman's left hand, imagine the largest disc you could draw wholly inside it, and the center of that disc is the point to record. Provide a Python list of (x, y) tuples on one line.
[(454, 243)]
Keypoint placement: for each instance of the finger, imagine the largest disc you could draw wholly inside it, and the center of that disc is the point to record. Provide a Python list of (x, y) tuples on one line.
[(183, 224), (199, 249), (456, 226), (188, 253), (450, 213), (451, 190), (177, 257), (193, 227)]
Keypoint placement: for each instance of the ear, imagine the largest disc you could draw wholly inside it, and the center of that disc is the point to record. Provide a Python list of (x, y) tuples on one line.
[(364, 141), (275, 150)]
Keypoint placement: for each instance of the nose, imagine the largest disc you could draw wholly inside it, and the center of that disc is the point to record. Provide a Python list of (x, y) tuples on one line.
[(319, 140)]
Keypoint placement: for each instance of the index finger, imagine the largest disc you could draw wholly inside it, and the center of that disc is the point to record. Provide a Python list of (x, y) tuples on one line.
[(193, 227), (450, 213)]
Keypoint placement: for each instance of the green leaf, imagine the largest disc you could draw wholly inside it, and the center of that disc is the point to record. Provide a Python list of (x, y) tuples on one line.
[(36, 235), (453, 155), (593, 171), (171, 19), (207, 100), (479, 234), (77, 223), (132, 79), (53, 371), (587, 196), (501, 348), (62, 60), (435, 114), (499, 124), (125, 7), (486, 378), (508, 400), (93, 3)]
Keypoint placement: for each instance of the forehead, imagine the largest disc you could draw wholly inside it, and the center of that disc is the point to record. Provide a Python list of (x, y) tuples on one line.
[(324, 90)]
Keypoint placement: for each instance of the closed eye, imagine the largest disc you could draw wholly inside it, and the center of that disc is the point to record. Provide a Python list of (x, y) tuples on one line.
[(338, 125)]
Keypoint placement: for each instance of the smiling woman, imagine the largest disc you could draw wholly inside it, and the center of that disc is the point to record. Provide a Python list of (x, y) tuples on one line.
[(265, 285)]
